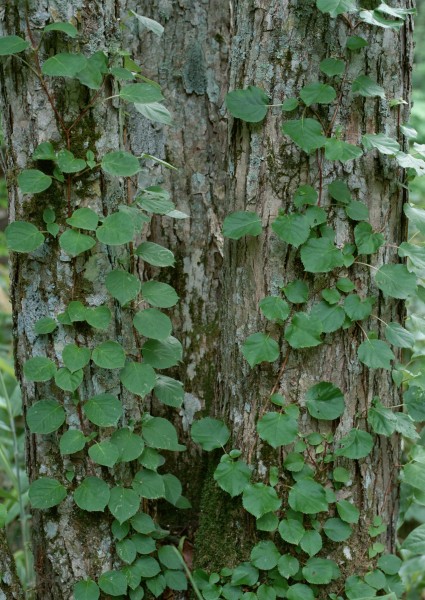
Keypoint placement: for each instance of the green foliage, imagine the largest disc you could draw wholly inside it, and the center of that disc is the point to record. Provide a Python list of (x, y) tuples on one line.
[(250, 105), (259, 348), (23, 237), (242, 223)]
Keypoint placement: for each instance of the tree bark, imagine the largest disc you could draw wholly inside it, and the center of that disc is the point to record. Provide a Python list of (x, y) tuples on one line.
[(10, 586)]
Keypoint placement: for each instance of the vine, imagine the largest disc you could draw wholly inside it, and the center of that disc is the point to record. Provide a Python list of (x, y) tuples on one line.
[(292, 560)]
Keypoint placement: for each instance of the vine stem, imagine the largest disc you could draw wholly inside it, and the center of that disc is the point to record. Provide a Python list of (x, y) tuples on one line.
[(189, 574)]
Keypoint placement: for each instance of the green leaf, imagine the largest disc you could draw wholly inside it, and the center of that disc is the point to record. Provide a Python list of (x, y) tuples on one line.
[(159, 294), (239, 224), (372, 17), (156, 200), (122, 286), (308, 497), (155, 111), (53, 229), (83, 218), (389, 564), (32, 181), (415, 541), (320, 255), (152, 323), (126, 550), (45, 151), (274, 308), (365, 86), (116, 229), (396, 281), (332, 66), (325, 401), (86, 590), (414, 400), (337, 530), (416, 216), (210, 433), (162, 354), (120, 164), (296, 292), (320, 571), (331, 317), (141, 93), (64, 27), (304, 331), (45, 325), (138, 378), (399, 336), (381, 419), (72, 441), (311, 542), (92, 74), (336, 7), (299, 591), (92, 495), (306, 133), (143, 523), (289, 104), (259, 499), (39, 368), (357, 211), (149, 484), (277, 429), (259, 348), (317, 93), (75, 243), (155, 255), (123, 503), (339, 150), (340, 191), (367, 241), (76, 311), (148, 567), (355, 42), (64, 65), (104, 453), (109, 355), (265, 555), (416, 255), (160, 433), (169, 391), (250, 105), (12, 44), (113, 583), (23, 237), (383, 143), (46, 492), (347, 511), (331, 296), (232, 476), (358, 309), (130, 445), (375, 354), (168, 557), (356, 444), (75, 358), (414, 475), (288, 565), (45, 416), (98, 317), (149, 24), (293, 229), (67, 380), (103, 410), (67, 162), (244, 574), (305, 194)]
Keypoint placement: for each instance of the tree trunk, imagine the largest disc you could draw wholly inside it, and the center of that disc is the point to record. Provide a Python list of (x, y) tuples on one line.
[(207, 49)]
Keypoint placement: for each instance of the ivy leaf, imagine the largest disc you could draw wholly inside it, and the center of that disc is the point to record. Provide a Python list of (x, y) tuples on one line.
[(45, 325), (277, 429), (123, 503), (293, 229), (83, 218), (357, 211), (155, 255), (337, 530), (339, 150), (67, 162), (210, 433), (311, 542), (109, 355), (358, 309), (332, 66), (416, 216), (162, 354), (320, 571), (340, 191), (305, 194), (232, 476), (383, 143), (116, 229), (104, 453), (347, 511), (12, 44), (141, 93), (138, 378), (160, 433), (399, 336), (32, 181), (250, 105), (367, 241), (355, 42), (149, 24), (317, 93), (45, 151), (98, 317), (68, 381), (304, 331), (365, 86), (355, 445), (64, 64), (259, 499), (396, 281), (64, 27), (265, 555), (159, 294), (130, 445), (239, 224), (92, 494), (336, 7), (288, 565), (259, 348), (308, 497), (169, 391), (375, 354), (113, 583), (92, 74), (39, 369), (86, 590), (306, 133), (45, 416), (152, 323), (331, 317), (120, 164), (416, 254), (72, 441), (103, 410), (75, 358), (149, 484), (372, 17), (155, 111), (122, 285), (274, 308), (381, 419), (46, 492), (325, 401), (75, 243), (299, 591), (296, 291), (320, 255), (23, 237)]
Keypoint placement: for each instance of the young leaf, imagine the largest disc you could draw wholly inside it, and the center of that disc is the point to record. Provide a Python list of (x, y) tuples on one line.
[(152, 323), (32, 181), (116, 229), (355, 42), (92, 494), (306, 133), (210, 433), (64, 65), (317, 93), (45, 416), (138, 378), (159, 294), (23, 237), (340, 150), (12, 44), (304, 331), (396, 281), (120, 164), (75, 243), (103, 410), (109, 355), (46, 492), (239, 224), (375, 354), (325, 401), (355, 445), (250, 105), (141, 93), (122, 285), (365, 86), (259, 348)]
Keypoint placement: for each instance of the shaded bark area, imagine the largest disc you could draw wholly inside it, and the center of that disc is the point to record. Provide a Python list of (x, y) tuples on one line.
[(10, 587)]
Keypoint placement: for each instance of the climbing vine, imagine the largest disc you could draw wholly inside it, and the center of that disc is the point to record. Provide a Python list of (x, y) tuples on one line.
[(304, 511)]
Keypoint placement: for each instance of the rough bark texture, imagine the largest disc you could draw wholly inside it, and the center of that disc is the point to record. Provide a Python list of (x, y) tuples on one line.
[(208, 47), (10, 587)]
